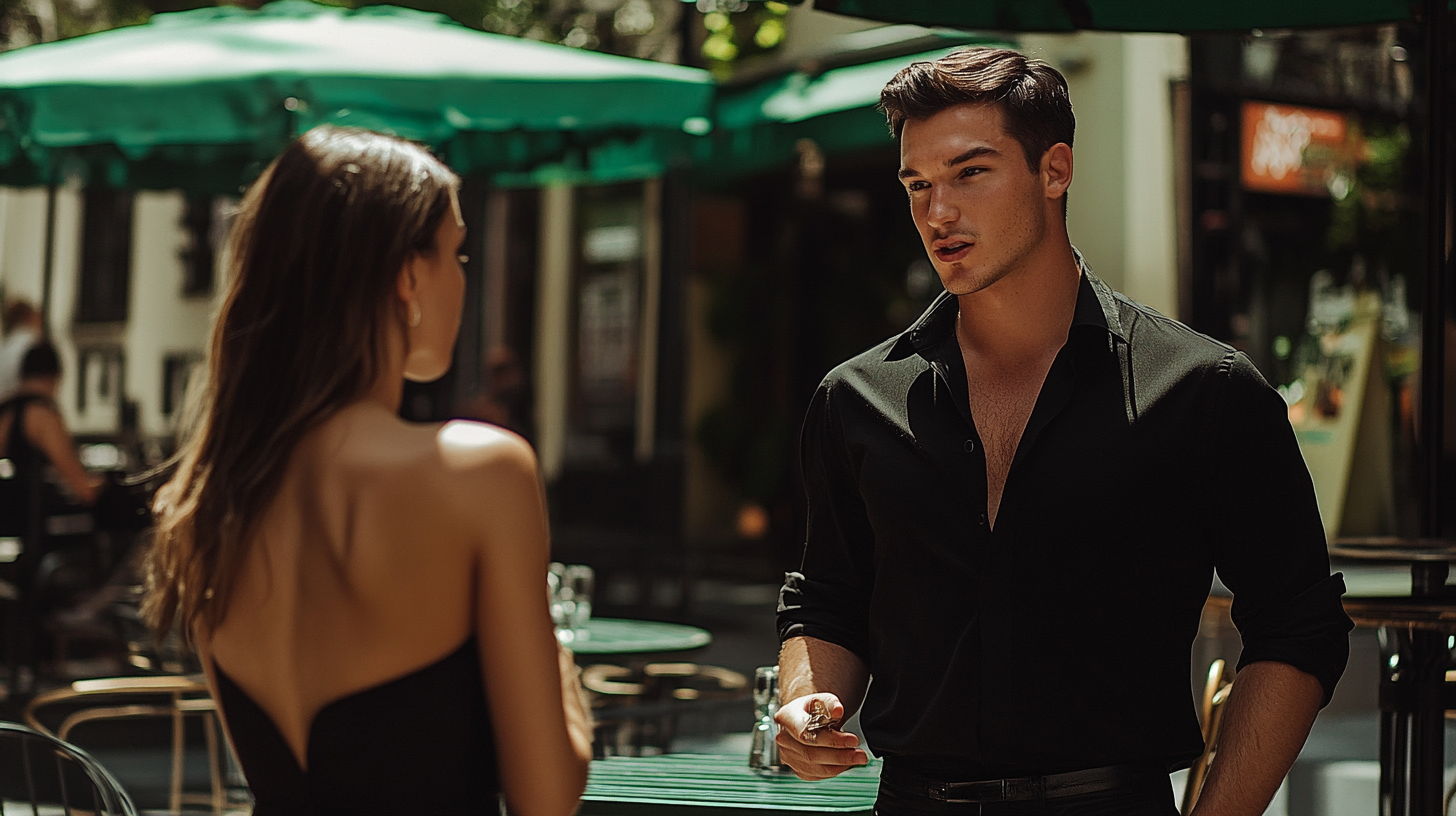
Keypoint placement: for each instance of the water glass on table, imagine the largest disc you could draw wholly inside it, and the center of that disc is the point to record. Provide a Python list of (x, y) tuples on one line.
[(580, 581), (555, 575), (763, 755), (570, 589)]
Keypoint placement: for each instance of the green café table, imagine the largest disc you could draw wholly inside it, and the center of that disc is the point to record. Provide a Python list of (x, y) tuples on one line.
[(616, 636), (708, 785)]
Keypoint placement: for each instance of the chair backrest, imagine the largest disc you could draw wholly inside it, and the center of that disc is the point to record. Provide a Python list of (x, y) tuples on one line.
[(165, 697), (1215, 694), (42, 770)]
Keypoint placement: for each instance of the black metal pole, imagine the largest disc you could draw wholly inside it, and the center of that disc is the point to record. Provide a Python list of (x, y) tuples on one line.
[(686, 26), (1434, 312), (1428, 721), (48, 259)]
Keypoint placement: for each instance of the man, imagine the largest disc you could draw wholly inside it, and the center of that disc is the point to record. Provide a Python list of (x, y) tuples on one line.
[(22, 330), (1015, 509)]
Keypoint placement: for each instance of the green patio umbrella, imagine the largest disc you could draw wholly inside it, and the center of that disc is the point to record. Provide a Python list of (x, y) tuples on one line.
[(187, 98), (758, 125), (1126, 15)]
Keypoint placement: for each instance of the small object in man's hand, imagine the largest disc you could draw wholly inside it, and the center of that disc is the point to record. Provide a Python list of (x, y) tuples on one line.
[(819, 719)]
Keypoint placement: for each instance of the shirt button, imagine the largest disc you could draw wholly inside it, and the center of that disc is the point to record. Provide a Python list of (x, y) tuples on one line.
[(983, 519), (970, 446)]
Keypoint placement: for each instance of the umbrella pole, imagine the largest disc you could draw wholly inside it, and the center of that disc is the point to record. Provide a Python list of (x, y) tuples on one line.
[(48, 258), (1427, 724), (1434, 317)]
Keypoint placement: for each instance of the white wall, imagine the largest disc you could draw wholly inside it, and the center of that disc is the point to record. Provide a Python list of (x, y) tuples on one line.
[(162, 321), (22, 241), (1122, 209)]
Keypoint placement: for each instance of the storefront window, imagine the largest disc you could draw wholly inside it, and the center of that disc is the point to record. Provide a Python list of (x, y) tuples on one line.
[(1308, 247)]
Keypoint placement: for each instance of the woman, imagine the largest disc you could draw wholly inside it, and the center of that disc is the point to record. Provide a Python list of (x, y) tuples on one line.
[(32, 432), (367, 595)]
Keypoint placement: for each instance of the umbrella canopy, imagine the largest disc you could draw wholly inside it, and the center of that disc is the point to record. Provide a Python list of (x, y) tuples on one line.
[(196, 88), (1126, 15), (759, 125)]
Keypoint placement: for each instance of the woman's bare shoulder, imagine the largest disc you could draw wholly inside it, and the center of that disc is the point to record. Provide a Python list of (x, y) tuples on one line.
[(483, 469), (476, 447)]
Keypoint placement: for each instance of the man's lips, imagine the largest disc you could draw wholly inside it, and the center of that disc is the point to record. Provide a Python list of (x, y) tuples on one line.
[(952, 251)]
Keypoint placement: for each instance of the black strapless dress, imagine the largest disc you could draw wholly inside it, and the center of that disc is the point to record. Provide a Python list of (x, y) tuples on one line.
[(420, 744)]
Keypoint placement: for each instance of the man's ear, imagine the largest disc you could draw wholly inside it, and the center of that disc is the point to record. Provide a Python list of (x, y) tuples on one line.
[(1056, 170)]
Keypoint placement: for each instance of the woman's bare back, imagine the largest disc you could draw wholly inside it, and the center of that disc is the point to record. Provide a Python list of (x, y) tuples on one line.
[(360, 571)]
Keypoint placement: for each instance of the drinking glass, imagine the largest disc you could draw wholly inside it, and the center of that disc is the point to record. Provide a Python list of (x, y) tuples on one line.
[(561, 605), (579, 580), (763, 756)]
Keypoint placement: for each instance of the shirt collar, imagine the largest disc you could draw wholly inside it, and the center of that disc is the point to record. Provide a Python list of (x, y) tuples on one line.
[(1096, 308)]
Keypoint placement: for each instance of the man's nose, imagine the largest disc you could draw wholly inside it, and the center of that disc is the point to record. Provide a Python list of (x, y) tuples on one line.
[(942, 211)]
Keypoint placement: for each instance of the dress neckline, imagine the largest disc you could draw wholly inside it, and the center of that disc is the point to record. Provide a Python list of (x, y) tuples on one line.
[(223, 678)]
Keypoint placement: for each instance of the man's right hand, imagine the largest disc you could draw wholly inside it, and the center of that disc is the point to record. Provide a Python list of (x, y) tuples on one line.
[(817, 754)]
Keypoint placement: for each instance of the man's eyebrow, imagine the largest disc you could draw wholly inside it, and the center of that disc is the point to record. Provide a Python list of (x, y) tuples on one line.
[(974, 153)]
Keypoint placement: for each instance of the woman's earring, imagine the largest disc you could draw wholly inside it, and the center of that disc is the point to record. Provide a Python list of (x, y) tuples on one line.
[(414, 317)]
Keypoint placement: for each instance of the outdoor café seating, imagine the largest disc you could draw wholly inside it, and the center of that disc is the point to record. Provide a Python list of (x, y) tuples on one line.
[(176, 706), (1215, 694), (639, 710), (45, 773)]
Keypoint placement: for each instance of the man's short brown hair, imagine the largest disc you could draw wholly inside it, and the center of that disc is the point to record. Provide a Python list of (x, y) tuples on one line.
[(1035, 107)]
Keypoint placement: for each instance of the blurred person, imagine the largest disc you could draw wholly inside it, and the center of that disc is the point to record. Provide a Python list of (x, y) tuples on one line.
[(503, 399), (32, 430), (367, 595), (1016, 507), (23, 329)]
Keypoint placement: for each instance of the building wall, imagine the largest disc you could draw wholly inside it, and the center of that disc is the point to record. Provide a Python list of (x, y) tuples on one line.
[(162, 321), (1122, 208), (22, 241)]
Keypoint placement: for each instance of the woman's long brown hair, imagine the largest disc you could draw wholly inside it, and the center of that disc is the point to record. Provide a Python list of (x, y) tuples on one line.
[(314, 258)]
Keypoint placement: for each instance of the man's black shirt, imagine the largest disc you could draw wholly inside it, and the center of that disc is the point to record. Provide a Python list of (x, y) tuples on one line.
[(1061, 639)]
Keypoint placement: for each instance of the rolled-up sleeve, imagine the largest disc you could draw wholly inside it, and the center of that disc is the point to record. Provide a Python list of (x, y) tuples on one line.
[(1269, 542), (829, 597)]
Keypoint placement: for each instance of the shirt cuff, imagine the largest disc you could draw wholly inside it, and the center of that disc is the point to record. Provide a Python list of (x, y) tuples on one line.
[(1310, 632), (812, 609)]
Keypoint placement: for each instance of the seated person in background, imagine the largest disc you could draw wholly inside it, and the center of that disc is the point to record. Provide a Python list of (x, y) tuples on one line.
[(23, 329), (32, 431), (367, 595)]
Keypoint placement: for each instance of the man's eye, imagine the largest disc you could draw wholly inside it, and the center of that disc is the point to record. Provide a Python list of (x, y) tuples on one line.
[(916, 186), (973, 171)]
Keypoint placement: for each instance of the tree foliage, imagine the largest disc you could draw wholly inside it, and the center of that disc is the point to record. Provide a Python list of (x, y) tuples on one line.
[(720, 31)]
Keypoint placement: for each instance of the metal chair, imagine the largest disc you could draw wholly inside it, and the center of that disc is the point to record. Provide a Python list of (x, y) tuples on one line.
[(1215, 694), (180, 696), (637, 710), (71, 765)]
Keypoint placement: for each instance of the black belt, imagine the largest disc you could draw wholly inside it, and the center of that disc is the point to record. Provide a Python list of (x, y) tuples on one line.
[(1022, 789)]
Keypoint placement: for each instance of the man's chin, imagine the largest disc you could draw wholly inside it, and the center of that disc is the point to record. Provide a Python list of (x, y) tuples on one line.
[(962, 279)]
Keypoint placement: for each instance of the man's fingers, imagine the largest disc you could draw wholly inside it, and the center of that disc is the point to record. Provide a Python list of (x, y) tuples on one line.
[(816, 710), (809, 740), (797, 719), (811, 776), (801, 755), (829, 738), (809, 770)]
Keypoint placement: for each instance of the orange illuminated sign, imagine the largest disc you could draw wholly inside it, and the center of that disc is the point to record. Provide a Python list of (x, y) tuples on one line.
[(1292, 150)]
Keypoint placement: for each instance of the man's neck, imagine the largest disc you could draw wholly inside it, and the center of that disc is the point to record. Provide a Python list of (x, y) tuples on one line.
[(1027, 312)]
